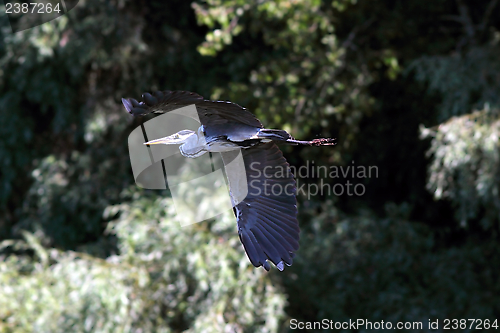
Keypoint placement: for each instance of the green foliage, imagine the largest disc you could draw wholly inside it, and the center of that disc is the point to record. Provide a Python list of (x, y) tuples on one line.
[(305, 74), (84, 249), (465, 166), (46, 74), (167, 278), (68, 195), (463, 81), (67, 291), (389, 269)]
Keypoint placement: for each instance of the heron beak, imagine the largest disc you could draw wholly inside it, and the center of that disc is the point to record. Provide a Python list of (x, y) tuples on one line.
[(174, 139), (169, 140)]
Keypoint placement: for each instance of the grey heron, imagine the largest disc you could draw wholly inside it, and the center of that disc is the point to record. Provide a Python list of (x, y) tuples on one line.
[(267, 221)]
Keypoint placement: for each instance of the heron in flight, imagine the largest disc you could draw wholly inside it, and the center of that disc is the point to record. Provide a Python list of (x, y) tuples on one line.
[(266, 219)]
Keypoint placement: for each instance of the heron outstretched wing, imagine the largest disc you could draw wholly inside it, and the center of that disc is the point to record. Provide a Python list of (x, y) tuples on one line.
[(210, 112), (267, 221)]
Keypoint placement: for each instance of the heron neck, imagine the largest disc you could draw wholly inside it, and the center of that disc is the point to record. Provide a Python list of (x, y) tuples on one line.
[(194, 146)]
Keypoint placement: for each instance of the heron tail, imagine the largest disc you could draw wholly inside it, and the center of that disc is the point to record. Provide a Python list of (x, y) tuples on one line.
[(274, 134)]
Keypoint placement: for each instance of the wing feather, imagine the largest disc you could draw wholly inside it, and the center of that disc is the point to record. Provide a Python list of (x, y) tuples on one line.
[(210, 112), (278, 241), (267, 220)]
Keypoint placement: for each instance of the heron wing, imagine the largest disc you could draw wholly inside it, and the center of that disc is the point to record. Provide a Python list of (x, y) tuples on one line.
[(210, 112), (267, 217)]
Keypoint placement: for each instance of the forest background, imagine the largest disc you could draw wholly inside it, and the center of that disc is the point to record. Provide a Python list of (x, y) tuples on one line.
[(411, 87)]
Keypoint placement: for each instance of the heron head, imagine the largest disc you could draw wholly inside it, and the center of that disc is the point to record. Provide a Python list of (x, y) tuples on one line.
[(174, 139)]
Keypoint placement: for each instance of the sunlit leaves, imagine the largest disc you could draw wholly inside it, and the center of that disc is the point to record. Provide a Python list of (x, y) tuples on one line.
[(464, 81), (465, 166)]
